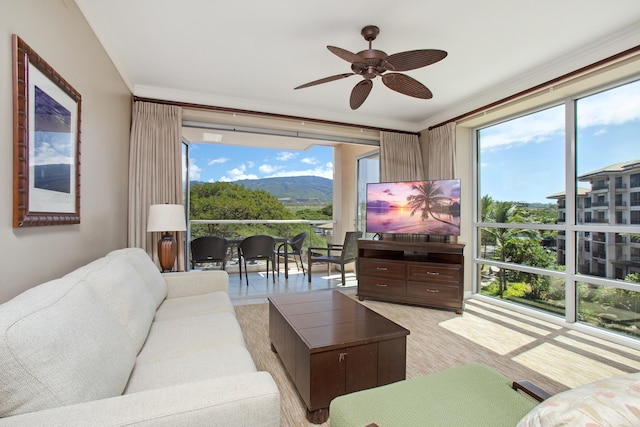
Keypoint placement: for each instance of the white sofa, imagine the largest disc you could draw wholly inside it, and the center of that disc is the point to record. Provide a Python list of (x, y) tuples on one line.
[(117, 343)]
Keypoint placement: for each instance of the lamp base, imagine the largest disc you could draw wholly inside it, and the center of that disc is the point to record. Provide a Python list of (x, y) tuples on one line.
[(167, 251)]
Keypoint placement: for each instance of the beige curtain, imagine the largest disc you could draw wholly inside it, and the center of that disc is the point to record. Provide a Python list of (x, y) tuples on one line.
[(155, 171), (400, 157), (442, 152), (400, 160)]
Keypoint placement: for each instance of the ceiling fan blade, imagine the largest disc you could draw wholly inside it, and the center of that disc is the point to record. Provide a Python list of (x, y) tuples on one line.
[(406, 85), (346, 55), (412, 59), (359, 93), (325, 80)]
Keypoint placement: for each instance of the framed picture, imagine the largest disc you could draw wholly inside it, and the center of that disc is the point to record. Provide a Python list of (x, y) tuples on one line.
[(46, 143)]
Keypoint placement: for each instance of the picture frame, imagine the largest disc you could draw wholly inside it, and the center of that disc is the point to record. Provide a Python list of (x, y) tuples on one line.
[(46, 142)]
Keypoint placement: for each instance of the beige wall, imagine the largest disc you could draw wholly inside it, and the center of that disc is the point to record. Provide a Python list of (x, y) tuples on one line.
[(344, 188), (56, 30)]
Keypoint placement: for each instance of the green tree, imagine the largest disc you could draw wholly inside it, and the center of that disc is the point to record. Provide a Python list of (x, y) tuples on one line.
[(224, 200), (528, 251), (320, 214), (504, 213)]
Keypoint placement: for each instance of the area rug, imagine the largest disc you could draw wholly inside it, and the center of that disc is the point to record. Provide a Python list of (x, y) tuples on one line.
[(517, 346)]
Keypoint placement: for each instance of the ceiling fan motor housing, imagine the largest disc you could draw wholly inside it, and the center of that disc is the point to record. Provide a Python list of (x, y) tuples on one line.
[(373, 66)]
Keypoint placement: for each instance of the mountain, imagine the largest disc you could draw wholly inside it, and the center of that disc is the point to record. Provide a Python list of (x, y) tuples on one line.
[(300, 190)]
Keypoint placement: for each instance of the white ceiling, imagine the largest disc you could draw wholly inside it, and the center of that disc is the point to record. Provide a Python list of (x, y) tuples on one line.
[(250, 54)]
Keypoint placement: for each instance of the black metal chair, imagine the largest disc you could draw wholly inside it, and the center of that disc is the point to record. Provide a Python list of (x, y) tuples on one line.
[(295, 245), (256, 248), (209, 249), (348, 252)]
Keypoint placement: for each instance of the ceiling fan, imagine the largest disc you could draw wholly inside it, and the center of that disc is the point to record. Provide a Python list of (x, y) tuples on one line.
[(371, 63)]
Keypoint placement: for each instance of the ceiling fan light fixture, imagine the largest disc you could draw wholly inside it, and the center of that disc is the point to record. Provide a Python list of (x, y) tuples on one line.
[(371, 63)]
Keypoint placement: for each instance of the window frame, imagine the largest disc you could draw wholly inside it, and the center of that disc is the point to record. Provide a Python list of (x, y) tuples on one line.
[(571, 228)]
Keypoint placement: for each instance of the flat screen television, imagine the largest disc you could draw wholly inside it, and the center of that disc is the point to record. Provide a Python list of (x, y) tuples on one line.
[(414, 207)]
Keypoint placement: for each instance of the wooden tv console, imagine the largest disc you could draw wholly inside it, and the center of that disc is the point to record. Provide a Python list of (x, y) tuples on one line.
[(421, 273)]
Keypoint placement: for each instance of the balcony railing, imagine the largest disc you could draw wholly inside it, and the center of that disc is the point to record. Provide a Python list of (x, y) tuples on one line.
[(228, 230)]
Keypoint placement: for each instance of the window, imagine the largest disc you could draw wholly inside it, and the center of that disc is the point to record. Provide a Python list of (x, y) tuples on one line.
[(368, 170), (591, 276)]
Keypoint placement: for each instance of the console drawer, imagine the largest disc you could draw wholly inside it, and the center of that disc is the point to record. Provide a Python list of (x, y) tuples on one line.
[(433, 273), (380, 268), (434, 291), (381, 285)]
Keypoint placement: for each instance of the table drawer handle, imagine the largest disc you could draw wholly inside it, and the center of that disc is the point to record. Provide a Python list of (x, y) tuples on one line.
[(434, 291), (432, 273), (382, 285), (382, 268)]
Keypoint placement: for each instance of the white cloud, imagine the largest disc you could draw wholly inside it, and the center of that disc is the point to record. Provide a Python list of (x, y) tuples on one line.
[(238, 174), (323, 172), (613, 107), (284, 156), (217, 161), (267, 169), (194, 170), (309, 160), (51, 149)]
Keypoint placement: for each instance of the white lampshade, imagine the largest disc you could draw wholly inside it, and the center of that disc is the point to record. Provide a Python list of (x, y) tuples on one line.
[(166, 218)]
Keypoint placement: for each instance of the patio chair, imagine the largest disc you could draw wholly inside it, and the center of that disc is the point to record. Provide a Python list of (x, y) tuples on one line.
[(335, 254), (256, 248), (295, 245), (209, 249)]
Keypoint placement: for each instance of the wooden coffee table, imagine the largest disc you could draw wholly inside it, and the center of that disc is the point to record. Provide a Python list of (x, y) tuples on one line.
[(331, 345)]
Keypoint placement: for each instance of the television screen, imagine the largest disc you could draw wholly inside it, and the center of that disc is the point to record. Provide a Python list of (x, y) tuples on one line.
[(414, 207)]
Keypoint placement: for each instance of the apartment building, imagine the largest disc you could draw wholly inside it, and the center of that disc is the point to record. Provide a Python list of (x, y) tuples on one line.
[(613, 199)]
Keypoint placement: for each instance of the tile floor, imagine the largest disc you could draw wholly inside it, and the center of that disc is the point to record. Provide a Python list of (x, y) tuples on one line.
[(260, 287)]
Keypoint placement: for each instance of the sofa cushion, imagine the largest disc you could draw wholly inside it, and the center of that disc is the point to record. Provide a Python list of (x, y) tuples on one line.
[(142, 262), (196, 366), (172, 338), (609, 402), (122, 288), (59, 345), (214, 302)]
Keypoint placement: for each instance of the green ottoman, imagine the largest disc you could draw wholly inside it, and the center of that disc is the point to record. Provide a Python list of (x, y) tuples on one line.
[(469, 395)]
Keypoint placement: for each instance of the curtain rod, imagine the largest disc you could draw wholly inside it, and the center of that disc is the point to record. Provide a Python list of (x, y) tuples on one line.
[(272, 115), (542, 85)]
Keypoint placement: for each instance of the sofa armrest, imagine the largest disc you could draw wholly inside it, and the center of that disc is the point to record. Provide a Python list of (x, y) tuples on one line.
[(182, 284), (249, 399), (531, 389)]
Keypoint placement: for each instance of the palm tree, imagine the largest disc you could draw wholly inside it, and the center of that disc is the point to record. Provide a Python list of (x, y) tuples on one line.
[(502, 213), (428, 198)]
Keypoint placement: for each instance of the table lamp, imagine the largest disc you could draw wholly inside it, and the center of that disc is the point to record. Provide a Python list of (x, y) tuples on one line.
[(166, 218)]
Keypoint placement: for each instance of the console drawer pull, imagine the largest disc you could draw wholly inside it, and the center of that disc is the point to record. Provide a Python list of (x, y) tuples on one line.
[(382, 268), (382, 285), (432, 273), (435, 291)]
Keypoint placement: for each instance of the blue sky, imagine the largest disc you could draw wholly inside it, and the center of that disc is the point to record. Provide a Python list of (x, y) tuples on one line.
[(215, 162), (523, 160)]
